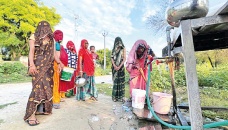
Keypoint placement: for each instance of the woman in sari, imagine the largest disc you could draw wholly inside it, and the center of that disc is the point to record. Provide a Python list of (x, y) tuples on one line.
[(86, 70), (58, 36), (137, 65), (118, 57), (63, 85), (41, 59), (72, 63)]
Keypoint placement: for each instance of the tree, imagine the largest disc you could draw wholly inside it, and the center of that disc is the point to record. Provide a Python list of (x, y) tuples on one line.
[(19, 19), (157, 22), (214, 57), (101, 57)]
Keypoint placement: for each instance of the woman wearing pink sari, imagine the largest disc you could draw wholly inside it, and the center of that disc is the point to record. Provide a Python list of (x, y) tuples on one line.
[(137, 65)]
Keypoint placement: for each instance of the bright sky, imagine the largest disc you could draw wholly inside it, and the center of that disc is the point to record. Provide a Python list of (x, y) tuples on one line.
[(87, 19)]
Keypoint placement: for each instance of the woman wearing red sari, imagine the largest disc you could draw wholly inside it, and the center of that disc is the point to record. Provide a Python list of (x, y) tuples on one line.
[(63, 85), (86, 70)]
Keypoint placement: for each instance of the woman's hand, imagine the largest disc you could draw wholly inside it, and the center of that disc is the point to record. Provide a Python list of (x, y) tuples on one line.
[(115, 68), (33, 70), (118, 68), (80, 73), (61, 65), (60, 68)]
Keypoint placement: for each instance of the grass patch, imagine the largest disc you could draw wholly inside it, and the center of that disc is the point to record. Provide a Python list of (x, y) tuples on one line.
[(104, 89), (13, 72), (107, 89), (15, 79), (1, 121), (211, 97), (7, 104)]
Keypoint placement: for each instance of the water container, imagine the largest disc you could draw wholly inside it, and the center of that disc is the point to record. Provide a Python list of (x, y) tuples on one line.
[(162, 102), (67, 74), (138, 98)]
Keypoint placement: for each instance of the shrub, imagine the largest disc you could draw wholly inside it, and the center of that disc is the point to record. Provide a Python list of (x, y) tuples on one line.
[(160, 77), (210, 77), (13, 72)]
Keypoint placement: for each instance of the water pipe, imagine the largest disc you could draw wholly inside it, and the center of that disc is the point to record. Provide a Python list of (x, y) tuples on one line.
[(211, 125)]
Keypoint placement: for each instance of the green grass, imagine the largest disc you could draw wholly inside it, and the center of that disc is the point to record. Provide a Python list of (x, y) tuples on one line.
[(211, 97), (13, 72), (1, 121), (7, 104), (15, 79), (107, 89)]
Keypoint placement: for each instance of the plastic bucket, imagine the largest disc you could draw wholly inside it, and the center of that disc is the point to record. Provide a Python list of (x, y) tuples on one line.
[(138, 98), (162, 102), (67, 74)]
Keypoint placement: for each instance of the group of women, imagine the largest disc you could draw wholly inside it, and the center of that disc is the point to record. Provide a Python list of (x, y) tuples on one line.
[(47, 58), (139, 57)]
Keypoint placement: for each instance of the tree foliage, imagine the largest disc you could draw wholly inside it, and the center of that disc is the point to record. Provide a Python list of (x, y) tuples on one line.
[(19, 19), (101, 57), (157, 22), (214, 57)]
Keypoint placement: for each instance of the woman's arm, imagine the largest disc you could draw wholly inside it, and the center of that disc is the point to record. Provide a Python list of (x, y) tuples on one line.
[(80, 66), (124, 59), (114, 65), (32, 67), (57, 56), (58, 61)]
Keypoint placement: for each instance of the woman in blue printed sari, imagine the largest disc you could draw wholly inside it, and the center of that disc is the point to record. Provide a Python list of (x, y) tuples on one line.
[(72, 63)]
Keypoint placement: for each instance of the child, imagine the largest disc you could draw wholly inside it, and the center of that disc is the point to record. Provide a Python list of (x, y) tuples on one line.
[(95, 56)]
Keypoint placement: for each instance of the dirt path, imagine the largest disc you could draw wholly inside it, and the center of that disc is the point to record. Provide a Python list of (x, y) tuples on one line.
[(73, 115)]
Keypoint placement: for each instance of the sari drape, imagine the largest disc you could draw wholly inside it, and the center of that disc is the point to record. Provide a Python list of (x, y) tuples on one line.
[(42, 82), (64, 59), (72, 63), (137, 67), (118, 91), (89, 89)]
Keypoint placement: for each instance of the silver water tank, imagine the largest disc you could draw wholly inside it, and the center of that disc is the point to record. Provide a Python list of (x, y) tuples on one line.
[(185, 9)]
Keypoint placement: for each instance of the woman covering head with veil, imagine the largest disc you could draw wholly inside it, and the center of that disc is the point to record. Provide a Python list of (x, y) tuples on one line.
[(118, 57), (86, 70), (137, 64), (41, 59), (72, 63)]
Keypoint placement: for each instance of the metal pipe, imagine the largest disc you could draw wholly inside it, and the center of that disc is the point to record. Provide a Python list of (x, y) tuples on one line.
[(186, 9), (168, 38), (155, 58)]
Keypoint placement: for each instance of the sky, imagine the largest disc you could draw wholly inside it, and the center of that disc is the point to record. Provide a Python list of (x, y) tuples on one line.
[(90, 19)]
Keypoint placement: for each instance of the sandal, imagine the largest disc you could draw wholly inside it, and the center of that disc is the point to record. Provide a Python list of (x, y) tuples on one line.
[(93, 98), (122, 100), (45, 113), (42, 113), (35, 122), (114, 100), (129, 100), (39, 113), (56, 106)]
